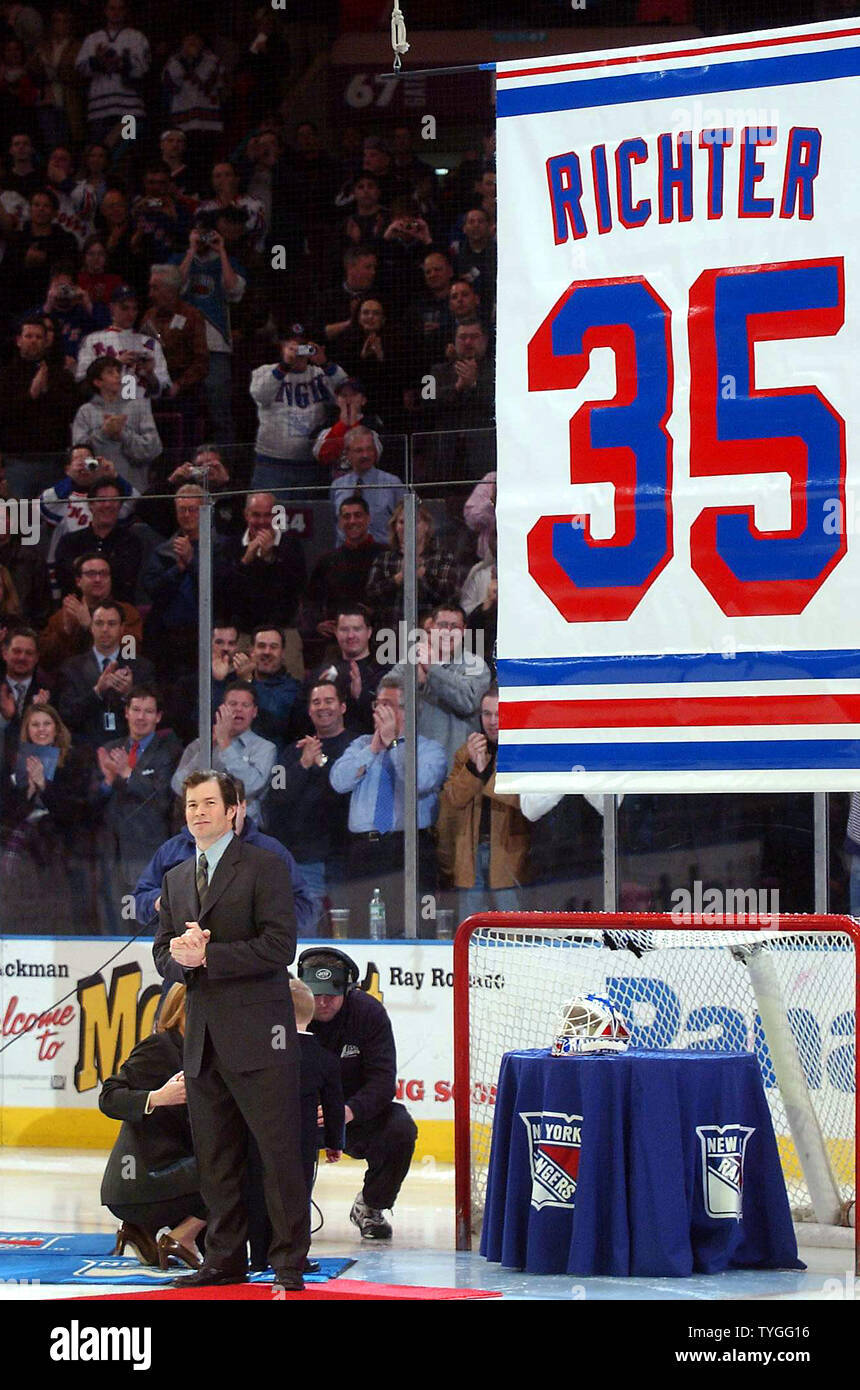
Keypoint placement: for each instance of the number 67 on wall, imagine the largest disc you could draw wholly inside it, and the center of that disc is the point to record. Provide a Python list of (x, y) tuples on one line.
[(625, 441)]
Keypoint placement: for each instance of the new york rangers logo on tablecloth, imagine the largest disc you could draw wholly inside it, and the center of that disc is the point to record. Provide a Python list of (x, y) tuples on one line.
[(554, 1146), (723, 1168)]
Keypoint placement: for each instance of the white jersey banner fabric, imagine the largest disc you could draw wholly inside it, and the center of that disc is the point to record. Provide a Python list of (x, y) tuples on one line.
[(679, 269)]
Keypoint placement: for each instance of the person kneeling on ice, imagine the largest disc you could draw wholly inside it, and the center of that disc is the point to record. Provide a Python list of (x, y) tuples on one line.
[(355, 1027)]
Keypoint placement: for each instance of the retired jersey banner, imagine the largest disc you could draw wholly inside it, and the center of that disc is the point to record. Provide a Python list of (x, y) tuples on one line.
[(678, 404)]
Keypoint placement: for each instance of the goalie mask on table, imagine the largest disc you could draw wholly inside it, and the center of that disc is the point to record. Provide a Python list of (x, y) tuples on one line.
[(589, 1024)]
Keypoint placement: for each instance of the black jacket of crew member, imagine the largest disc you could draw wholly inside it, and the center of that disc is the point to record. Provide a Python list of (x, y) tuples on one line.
[(360, 1035)]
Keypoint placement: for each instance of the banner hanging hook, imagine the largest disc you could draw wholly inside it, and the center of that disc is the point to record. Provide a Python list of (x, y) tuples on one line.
[(398, 35)]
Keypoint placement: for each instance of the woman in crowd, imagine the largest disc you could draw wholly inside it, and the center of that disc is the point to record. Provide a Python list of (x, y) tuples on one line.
[(98, 282), (160, 1187), (374, 352), (438, 573), (51, 828)]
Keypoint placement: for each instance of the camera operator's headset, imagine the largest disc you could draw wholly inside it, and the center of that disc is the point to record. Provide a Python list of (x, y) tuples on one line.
[(329, 955)]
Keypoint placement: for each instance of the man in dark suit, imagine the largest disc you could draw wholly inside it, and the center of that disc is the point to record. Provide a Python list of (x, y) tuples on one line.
[(136, 773), (93, 688), (227, 918), (22, 683)]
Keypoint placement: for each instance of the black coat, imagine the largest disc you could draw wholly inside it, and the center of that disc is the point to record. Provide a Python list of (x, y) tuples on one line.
[(242, 994), (160, 1143), (362, 1030)]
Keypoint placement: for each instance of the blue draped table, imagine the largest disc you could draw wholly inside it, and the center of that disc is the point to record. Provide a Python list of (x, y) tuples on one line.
[(637, 1163)]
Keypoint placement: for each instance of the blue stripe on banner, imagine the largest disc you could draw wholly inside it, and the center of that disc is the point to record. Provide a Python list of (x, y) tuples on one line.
[(678, 757), (679, 82), (688, 666)]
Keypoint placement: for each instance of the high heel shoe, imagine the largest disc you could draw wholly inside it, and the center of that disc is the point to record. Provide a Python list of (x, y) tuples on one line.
[(141, 1242), (167, 1246)]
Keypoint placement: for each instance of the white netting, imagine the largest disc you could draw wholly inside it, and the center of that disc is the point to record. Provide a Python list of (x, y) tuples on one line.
[(683, 989)]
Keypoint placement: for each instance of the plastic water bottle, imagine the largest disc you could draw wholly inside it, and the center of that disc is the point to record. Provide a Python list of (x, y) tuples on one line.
[(377, 916)]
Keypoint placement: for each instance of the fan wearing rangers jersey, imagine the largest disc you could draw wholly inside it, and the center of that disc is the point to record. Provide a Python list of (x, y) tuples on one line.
[(295, 399), (139, 352), (113, 60)]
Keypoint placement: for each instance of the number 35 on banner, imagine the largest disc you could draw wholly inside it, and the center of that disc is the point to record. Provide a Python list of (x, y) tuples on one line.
[(748, 430)]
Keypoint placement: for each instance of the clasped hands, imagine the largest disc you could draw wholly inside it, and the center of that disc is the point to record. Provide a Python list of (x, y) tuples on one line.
[(189, 949)]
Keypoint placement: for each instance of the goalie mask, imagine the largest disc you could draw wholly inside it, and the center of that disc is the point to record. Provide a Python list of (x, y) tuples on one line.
[(590, 1024)]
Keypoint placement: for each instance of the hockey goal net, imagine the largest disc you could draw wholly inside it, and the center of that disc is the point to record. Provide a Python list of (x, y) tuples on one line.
[(785, 991)]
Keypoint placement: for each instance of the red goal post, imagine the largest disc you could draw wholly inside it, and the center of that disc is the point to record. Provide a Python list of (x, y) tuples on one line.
[(783, 987)]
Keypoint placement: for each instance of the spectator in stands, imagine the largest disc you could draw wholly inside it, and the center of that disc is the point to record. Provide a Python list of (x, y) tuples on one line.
[(475, 254), (95, 279), (147, 891), (228, 515), (170, 582), (37, 405), (173, 146), (194, 83), (371, 771), (225, 182), (295, 399), (367, 218), (482, 621), (158, 220), (18, 92), (431, 322), (351, 402), (24, 684), (65, 507), (213, 281), (122, 258), (108, 536), (451, 681), (355, 667), (140, 353), (437, 571), (52, 810), (92, 186), (92, 688), (479, 514), (338, 307), (73, 313), (302, 809), (69, 631), (52, 64), (259, 576), (381, 490), (121, 429), (375, 351), (24, 564), (482, 835), (340, 576), (275, 692), (353, 1026), (136, 773), (235, 749), (59, 180), (464, 305), (113, 60), (181, 331), (262, 154), (24, 175)]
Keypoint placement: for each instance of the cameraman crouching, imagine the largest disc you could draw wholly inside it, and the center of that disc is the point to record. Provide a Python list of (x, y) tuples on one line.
[(355, 1027)]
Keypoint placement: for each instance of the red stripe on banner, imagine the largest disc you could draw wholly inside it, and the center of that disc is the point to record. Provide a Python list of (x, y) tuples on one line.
[(680, 713), (663, 56)]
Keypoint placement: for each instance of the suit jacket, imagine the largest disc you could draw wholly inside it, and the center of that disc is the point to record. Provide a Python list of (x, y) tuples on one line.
[(159, 1143), (82, 710), (138, 809), (241, 997)]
